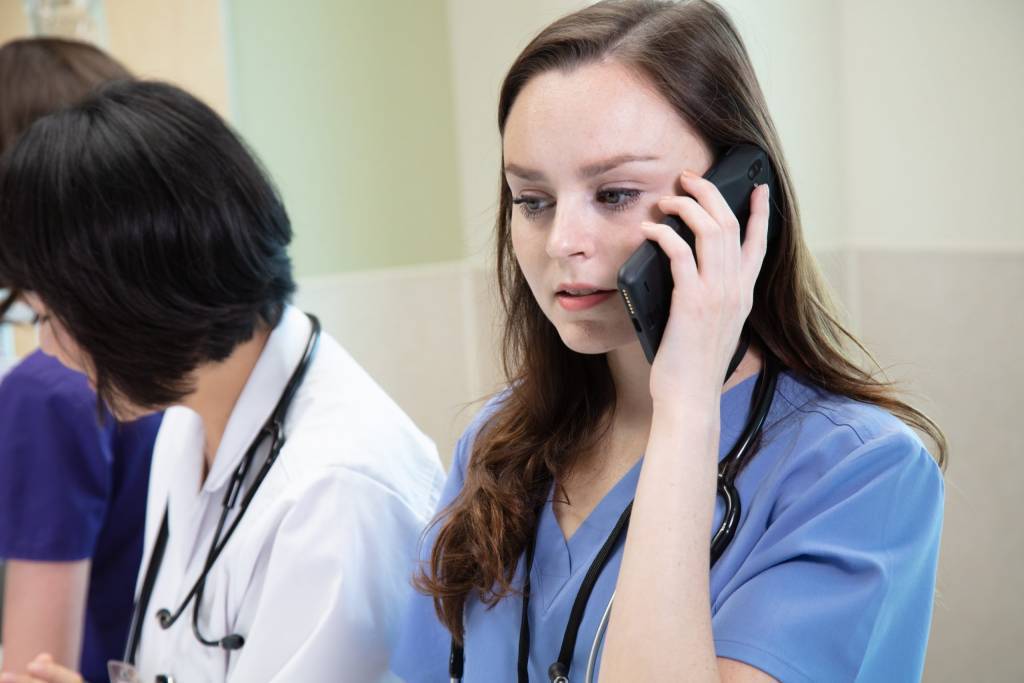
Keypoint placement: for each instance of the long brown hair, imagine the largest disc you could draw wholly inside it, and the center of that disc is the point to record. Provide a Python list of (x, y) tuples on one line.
[(40, 75), (558, 400)]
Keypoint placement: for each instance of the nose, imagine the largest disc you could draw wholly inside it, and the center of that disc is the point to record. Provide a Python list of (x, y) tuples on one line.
[(570, 235)]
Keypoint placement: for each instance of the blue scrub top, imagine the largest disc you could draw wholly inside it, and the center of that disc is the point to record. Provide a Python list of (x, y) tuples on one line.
[(830, 576), (72, 488)]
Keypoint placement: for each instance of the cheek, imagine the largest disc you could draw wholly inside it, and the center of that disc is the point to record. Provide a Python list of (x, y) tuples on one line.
[(627, 235), (48, 343), (529, 249), (56, 342)]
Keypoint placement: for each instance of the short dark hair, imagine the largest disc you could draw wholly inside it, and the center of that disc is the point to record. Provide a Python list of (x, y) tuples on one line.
[(150, 232), (40, 75)]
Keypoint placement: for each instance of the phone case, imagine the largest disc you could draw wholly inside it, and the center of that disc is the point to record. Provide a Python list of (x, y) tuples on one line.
[(645, 279)]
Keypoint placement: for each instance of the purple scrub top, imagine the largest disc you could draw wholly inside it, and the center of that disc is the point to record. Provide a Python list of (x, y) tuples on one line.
[(73, 488)]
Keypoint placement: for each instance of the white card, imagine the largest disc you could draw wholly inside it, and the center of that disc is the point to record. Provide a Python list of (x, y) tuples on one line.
[(121, 672)]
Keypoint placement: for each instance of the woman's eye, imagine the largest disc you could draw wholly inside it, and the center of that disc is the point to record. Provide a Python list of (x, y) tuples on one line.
[(617, 199), (532, 206)]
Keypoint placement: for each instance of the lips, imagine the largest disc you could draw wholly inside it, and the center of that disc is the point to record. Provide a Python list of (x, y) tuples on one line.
[(580, 297)]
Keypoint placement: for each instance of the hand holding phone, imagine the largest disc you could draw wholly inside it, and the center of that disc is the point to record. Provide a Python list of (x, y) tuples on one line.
[(645, 279)]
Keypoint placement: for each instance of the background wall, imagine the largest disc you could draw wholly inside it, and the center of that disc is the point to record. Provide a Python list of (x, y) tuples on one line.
[(180, 41), (931, 94), (349, 104), (931, 97)]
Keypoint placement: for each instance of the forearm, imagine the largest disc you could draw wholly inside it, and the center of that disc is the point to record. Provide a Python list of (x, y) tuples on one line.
[(661, 622), (44, 608)]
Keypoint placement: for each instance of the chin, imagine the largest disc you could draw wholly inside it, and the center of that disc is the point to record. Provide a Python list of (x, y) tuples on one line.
[(592, 337)]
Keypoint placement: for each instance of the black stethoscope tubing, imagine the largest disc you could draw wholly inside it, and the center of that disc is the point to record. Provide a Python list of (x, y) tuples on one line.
[(728, 469), (272, 429)]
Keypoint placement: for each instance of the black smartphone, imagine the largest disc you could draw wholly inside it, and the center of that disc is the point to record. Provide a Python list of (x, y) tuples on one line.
[(645, 279)]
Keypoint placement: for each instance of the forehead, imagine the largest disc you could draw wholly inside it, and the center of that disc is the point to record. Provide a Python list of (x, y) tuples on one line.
[(600, 110)]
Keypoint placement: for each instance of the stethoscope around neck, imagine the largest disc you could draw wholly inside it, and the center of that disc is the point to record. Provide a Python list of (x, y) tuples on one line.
[(272, 430), (728, 469)]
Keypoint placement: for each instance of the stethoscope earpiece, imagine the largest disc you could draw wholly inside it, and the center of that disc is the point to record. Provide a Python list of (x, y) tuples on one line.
[(229, 642), (558, 673), (232, 642)]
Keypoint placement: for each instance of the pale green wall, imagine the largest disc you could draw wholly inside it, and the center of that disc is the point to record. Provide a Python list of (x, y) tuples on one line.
[(349, 106)]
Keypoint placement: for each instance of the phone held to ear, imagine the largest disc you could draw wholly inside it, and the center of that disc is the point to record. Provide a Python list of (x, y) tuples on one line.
[(645, 279)]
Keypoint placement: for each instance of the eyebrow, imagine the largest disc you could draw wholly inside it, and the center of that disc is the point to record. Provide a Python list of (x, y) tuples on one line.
[(589, 171)]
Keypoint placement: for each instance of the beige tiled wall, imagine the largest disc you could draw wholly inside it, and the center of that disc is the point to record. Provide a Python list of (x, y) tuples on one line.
[(950, 325)]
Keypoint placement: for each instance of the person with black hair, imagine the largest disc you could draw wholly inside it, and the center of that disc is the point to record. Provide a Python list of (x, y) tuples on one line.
[(153, 247), (72, 488)]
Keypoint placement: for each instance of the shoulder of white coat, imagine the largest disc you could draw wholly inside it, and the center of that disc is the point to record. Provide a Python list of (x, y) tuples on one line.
[(343, 420)]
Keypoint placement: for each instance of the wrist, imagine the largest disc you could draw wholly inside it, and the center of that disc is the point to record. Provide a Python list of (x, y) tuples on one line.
[(679, 422), (692, 404)]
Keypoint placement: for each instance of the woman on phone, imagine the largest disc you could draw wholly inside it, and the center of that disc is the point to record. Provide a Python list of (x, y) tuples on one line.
[(595, 472)]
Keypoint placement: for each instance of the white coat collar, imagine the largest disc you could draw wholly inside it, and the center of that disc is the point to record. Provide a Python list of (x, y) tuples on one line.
[(275, 366)]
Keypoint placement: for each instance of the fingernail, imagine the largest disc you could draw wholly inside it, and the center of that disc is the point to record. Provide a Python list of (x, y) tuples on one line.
[(689, 174)]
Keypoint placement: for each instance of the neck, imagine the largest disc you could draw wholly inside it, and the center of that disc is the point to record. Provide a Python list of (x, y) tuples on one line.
[(631, 374), (218, 386)]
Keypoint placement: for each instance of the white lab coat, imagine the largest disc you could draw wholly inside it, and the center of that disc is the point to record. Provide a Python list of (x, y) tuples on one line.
[(318, 571)]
